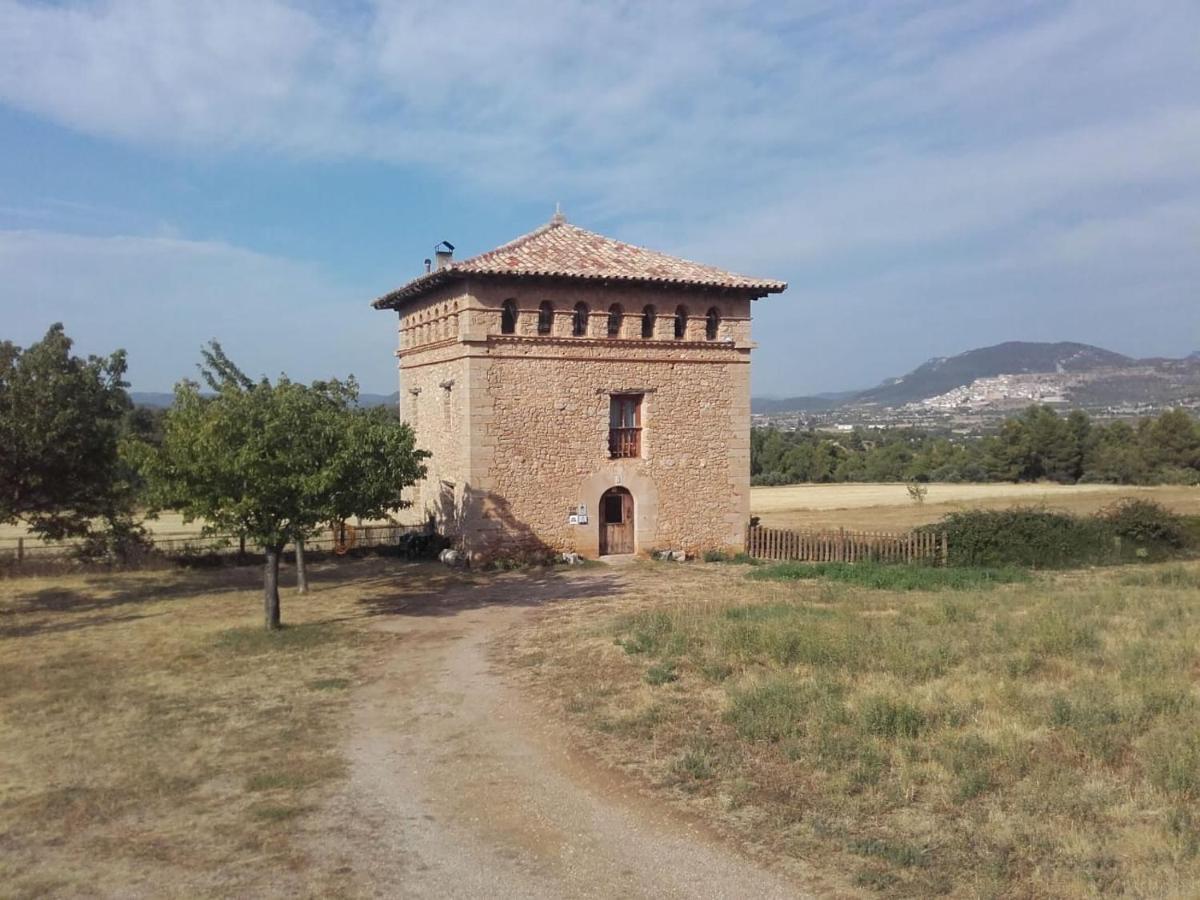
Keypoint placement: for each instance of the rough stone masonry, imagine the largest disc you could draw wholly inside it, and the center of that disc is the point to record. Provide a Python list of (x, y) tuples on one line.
[(509, 365)]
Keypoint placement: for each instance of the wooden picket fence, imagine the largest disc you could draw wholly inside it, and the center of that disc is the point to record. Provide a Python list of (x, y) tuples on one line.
[(784, 545)]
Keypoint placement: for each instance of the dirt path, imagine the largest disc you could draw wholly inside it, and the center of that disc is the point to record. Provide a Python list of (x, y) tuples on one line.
[(458, 789)]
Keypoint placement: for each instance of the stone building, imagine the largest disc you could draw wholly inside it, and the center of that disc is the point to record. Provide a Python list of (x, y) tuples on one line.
[(578, 393)]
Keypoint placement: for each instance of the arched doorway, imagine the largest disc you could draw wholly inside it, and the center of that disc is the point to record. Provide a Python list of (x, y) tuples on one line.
[(616, 522)]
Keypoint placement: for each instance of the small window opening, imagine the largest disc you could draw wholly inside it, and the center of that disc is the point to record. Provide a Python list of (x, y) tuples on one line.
[(580, 322), (625, 426), (614, 509), (648, 317), (615, 314), (681, 317), (712, 323), (545, 317), (508, 317)]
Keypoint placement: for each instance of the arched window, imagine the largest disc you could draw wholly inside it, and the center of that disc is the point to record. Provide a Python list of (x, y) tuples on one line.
[(508, 317), (648, 317), (712, 322), (545, 317), (615, 314), (681, 317), (579, 324)]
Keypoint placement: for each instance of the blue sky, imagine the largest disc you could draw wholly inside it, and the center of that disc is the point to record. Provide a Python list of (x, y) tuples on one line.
[(927, 177)]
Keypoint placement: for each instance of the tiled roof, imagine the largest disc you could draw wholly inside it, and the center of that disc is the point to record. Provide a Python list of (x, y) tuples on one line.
[(562, 250)]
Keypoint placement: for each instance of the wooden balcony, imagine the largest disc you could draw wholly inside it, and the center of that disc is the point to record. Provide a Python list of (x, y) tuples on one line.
[(624, 443)]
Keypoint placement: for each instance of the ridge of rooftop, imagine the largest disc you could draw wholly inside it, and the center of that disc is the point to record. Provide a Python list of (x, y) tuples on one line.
[(559, 249)]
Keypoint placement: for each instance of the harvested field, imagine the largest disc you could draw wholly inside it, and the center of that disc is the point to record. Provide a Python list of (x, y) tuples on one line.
[(157, 741), (888, 506)]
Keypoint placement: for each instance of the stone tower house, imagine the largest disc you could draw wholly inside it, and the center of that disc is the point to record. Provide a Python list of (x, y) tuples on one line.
[(579, 393)]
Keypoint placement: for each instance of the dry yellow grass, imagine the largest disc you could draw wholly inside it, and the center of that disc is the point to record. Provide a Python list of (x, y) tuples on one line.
[(157, 741), (1038, 739), (888, 506)]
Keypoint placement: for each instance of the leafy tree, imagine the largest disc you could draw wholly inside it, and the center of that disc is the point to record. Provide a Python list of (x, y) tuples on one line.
[(272, 461), (60, 420), (1033, 445)]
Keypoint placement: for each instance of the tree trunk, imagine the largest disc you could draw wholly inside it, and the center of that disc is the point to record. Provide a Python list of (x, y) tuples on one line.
[(271, 588), (301, 571), (241, 549)]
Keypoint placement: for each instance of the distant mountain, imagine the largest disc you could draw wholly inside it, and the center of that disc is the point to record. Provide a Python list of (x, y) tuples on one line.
[(152, 399), (945, 373), (160, 400), (815, 403), (1017, 372)]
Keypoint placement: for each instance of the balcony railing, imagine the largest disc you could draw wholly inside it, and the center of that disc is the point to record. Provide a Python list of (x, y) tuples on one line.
[(624, 443)]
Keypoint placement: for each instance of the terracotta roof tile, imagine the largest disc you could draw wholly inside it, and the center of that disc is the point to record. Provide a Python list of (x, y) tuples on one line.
[(562, 250)]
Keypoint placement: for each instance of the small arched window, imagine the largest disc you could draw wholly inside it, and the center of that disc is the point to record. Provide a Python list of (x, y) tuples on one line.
[(615, 314), (508, 317), (579, 324), (545, 317), (712, 322), (681, 317), (648, 317)]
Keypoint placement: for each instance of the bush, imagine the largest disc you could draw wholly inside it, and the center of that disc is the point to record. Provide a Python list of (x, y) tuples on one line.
[(1026, 536), (720, 556), (120, 543), (1146, 523), (422, 544)]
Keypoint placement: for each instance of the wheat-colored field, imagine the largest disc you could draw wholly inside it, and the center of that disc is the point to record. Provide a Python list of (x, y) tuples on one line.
[(888, 506)]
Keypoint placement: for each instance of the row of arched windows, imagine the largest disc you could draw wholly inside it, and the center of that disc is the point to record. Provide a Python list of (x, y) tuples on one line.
[(579, 320)]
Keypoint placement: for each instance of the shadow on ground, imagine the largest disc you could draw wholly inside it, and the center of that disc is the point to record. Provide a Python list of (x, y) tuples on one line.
[(48, 610), (449, 593), (380, 586)]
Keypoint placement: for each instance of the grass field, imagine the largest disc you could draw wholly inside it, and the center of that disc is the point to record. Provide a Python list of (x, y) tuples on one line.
[(156, 741), (977, 733), (1036, 738), (888, 507)]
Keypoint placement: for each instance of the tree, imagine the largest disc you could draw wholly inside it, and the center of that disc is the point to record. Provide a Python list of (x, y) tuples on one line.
[(60, 421), (272, 461)]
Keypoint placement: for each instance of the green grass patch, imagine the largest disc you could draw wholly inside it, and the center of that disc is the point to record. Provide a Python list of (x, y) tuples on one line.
[(663, 673), (720, 556), (879, 576), (1011, 739)]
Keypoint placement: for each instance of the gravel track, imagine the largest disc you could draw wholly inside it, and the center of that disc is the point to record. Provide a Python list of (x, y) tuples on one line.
[(457, 788)]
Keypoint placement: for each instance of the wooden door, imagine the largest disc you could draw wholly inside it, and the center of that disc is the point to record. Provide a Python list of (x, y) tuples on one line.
[(616, 522)]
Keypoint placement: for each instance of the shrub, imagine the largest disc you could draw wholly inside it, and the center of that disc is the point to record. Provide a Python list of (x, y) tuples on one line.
[(720, 556), (121, 543), (1025, 536), (422, 545), (1145, 522)]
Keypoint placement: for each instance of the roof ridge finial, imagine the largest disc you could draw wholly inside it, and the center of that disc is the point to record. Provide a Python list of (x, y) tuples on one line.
[(558, 218)]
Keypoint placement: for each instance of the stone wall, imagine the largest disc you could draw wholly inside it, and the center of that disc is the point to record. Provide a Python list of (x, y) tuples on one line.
[(518, 424)]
